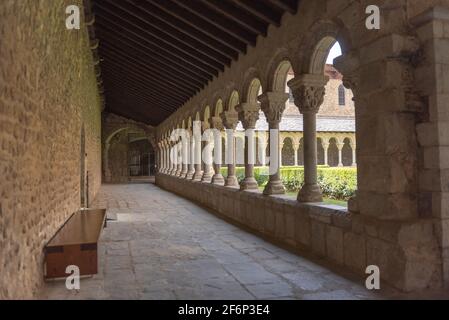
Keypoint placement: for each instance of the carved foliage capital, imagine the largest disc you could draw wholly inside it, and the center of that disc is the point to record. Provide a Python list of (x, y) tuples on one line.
[(308, 92), (273, 105), (248, 114), (230, 119), (217, 123)]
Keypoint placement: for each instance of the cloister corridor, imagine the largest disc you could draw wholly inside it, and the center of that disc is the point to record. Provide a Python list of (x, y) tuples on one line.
[(162, 246)]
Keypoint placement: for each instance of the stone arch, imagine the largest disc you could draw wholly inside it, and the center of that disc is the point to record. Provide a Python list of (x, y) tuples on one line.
[(278, 71), (189, 123), (301, 152), (332, 152), (320, 151), (288, 155), (346, 152), (315, 46), (218, 107), (239, 148), (206, 114), (234, 100), (251, 86)]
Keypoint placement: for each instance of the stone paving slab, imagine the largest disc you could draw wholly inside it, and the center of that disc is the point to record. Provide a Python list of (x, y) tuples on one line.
[(162, 246)]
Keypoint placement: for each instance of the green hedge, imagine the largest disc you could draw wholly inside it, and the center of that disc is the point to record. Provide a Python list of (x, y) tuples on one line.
[(335, 182)]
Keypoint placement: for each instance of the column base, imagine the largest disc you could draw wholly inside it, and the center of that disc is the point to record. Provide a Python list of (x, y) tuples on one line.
[(218, 179), (207, 177), (198, 175), (310, 193), (274, 187), (231, 181), (249, 184), (189, 175), (183, 175)]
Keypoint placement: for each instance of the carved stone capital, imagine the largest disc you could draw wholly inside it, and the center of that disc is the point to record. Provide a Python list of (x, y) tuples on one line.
[(205, 125), (308, 92), (248, 114), (217, 123), (348, 65), (230, 119), (273, 106)]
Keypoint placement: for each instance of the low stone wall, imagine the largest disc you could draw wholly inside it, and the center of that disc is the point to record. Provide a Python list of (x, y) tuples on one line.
[(323, 229), (407, 254)]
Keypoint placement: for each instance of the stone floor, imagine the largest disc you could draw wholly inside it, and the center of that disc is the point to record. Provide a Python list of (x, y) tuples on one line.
[(162, 246)]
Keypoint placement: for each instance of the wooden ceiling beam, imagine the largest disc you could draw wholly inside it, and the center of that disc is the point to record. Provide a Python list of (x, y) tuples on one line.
[(164, 19), (206, 15), (260, 10), (198, 75), (153, 82), (173, 52), (238, 16), (168, 31), (180, 14), (185, 82), (132, 24)]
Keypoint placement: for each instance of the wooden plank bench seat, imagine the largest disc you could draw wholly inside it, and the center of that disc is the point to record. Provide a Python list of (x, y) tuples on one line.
[(75, 243)]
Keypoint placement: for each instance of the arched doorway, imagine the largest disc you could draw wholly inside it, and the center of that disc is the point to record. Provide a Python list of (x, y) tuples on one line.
[(141, 159)]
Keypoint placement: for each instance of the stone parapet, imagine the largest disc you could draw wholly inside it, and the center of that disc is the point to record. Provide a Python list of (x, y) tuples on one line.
[(406, 253)]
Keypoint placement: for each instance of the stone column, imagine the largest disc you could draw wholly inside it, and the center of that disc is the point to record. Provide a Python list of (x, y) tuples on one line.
[(217, 178), (340, 154), (354, 148), (185, 154), (296, 148), (174, 158), (207, 174), (159, 157), (326, 155), (281, 158), (230, 121), (178, 156), (273, 105), (197, 145), (171, 164), (263, 150), (308, 92), (166, 157), (249, 114), (191, 165)]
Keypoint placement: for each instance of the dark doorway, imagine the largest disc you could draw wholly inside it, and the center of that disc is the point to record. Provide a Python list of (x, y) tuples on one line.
[(141, 158)]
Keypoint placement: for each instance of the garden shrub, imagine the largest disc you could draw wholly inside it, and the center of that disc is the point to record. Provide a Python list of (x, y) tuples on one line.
[(338, 183)]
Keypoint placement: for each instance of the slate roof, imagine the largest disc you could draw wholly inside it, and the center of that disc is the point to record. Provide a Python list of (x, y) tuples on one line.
[(294, 123)]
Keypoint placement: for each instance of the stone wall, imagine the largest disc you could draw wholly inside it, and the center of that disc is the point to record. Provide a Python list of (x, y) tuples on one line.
[(406, 253), (48, 91), (116, 134)]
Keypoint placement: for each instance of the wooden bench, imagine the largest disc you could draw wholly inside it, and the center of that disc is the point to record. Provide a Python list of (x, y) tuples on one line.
[(75, 243)]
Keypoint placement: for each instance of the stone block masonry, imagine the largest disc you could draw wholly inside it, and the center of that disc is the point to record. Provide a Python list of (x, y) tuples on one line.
[(48, 94), (406, 253)]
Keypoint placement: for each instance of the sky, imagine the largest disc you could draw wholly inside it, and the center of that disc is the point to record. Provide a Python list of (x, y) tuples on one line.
[(335, 52)]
